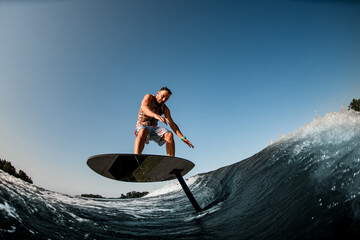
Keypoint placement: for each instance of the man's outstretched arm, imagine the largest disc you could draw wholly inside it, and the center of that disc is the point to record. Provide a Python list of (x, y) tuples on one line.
[(175, 127)]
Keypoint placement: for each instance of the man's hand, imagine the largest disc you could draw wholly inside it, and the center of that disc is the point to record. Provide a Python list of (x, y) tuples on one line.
[(188, 143), (162, 119)]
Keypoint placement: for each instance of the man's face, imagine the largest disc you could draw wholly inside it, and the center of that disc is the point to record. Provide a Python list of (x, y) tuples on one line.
[(162, 96)]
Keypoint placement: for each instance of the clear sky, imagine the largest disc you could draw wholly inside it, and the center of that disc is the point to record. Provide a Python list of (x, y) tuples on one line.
[(73, 74)]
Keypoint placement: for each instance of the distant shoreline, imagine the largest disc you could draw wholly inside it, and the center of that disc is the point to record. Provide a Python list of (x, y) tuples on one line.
[(7, 167), (132, 194)]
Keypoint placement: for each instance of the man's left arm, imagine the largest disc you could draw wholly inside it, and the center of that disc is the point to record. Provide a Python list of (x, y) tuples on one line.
[(175, 127)]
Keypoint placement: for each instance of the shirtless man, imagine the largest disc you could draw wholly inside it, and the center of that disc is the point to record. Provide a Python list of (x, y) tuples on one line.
[(151, 111)]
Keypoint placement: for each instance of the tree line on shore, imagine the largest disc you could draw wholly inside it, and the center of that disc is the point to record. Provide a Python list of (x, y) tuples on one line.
[(132, 194), (6, 166), (355, 105)]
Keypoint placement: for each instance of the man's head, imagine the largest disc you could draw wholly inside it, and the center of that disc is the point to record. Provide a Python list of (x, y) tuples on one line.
[(163, 95)]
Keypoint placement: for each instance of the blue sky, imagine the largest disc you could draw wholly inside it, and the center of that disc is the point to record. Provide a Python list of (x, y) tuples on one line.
[(73, 74)]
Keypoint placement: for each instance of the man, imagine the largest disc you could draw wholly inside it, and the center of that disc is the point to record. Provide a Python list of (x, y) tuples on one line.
[(152, 107)]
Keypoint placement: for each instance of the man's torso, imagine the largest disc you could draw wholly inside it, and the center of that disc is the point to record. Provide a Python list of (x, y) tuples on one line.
[(156, 108)]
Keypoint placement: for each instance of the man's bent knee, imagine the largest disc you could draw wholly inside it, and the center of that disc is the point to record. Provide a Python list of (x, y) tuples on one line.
[(168, 137)]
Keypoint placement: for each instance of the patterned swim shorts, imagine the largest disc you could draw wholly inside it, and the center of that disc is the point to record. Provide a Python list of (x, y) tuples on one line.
[(155, 133)]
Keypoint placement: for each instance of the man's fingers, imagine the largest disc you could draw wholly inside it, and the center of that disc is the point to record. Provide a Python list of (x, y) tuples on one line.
[(162, 119), (189, 144)]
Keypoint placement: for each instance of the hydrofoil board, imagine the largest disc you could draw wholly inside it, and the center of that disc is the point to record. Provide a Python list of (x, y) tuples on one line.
[(139, 167)]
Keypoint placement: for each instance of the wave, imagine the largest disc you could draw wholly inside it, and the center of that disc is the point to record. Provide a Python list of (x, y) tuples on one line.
[(305, 185)]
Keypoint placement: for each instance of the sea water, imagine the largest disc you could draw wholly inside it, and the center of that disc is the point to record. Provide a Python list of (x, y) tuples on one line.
[(305, 185)]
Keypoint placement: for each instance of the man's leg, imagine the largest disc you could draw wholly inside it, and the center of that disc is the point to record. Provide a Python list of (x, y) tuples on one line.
[(170, 144), (140, 141)]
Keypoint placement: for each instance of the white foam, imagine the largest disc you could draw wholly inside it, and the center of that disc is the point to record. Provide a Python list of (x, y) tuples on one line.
[(79, 219), (333, 128), (171, 187), (333, 142), (12, 230), (11, 211)]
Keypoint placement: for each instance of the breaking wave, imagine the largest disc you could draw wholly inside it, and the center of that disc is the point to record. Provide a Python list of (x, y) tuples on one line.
[(305, 185)]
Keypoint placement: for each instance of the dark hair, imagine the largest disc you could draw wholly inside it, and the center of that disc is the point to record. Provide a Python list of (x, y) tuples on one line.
[(166, 89)]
